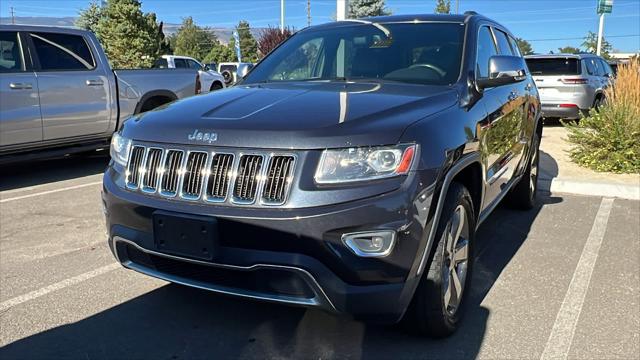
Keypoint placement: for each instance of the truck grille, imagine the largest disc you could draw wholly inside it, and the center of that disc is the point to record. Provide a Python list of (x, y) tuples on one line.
[(198, 175)]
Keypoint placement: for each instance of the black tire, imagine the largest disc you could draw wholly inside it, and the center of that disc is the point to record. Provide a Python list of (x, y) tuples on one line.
[(215, 86), (428, 313), (227, 76), (524, 193)]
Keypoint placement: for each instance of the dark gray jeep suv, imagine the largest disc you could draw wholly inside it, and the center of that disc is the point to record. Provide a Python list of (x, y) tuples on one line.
[(349, 170)]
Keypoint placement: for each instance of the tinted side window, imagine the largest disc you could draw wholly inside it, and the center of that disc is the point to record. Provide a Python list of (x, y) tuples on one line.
[(486, 49), (62, 52), (160, 64), (514, 46), (503, 43), (591, 70), (605, 67), (180, 63), (10, 53)]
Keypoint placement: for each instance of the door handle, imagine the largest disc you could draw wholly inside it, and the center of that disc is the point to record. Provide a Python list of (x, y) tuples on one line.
[(94, 82), (20, 86)]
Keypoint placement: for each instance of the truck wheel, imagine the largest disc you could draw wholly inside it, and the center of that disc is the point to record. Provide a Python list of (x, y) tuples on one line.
[(227, 76), (215, 86), (438, 304), (523, 194)]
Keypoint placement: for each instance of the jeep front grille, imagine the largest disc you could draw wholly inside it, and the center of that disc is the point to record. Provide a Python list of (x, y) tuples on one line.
[(238, 178)]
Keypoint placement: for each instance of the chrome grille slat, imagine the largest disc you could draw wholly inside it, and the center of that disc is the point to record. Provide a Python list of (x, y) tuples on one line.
[(247, 179), (232, 177), (134, 167), (277, 181), (218, 182), (171, 172), (152, 165), (193, 175)]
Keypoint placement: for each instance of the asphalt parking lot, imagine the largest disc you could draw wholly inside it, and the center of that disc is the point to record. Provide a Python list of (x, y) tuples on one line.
[(559, 281)]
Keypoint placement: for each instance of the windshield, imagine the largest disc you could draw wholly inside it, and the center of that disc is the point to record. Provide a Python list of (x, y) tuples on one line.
[(554, 66), (422, 53)]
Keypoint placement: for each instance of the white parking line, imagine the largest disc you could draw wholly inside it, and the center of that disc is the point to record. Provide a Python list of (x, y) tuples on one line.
[(564, 328), (57, 286), (49, 192)]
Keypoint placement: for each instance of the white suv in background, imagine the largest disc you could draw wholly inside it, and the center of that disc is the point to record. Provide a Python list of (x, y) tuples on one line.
[(569, 84), (211, 80)]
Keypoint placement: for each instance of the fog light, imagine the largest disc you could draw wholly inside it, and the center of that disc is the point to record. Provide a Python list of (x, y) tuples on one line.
[(370, 243)]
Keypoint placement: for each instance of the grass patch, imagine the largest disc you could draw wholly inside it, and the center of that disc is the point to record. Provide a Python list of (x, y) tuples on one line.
[(609, 139)]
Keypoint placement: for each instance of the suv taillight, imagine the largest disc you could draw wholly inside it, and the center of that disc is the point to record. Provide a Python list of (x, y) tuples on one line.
[(574, 81)]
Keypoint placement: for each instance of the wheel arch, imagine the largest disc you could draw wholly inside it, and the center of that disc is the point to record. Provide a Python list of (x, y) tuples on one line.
[(155, 94)]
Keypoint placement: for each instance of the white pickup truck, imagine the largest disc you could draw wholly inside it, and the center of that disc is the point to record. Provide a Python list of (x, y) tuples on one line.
[(59, 95), (211, 80)]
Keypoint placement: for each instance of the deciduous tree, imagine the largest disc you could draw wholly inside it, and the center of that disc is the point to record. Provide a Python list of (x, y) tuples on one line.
[(272, 37), (569, 50), (193, 40), (524, 46), (591, 45)]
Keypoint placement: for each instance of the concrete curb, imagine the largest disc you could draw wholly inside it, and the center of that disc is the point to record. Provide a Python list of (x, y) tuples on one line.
[(623, 191)]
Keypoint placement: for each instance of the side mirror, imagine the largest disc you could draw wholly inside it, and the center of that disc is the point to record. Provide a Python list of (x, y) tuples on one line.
[(243, 70), (503, 70), (206, 68)]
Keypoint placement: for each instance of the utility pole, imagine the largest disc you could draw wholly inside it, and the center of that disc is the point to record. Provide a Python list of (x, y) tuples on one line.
[(13, 16), (308, 12), (457, 6), (342, 7), (282, 16)]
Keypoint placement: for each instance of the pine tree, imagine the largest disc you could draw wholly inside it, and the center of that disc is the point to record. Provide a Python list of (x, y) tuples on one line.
[(192, 40), (129, 37), (367, 8), (248, 44), (88, 18), (220, 53), (443, 7)]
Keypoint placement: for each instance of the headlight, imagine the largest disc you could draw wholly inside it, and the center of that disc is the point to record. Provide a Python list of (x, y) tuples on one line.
[(364, 163), (120, 147)]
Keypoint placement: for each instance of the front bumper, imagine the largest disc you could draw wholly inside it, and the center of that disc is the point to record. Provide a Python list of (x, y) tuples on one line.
[(292, 256)]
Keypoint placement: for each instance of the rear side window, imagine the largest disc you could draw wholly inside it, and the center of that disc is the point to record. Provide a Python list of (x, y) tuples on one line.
[(486, 49), (503, 43), (554, 66), (194, 65), (10, 53), (180, 63), (161, 64), (62, 52)]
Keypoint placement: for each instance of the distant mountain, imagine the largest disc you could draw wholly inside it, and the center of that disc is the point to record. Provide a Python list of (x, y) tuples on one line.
[(223, 34)]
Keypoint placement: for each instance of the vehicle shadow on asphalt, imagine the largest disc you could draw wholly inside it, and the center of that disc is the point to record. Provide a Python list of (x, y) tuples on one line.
[(176, 322), (41, 172)]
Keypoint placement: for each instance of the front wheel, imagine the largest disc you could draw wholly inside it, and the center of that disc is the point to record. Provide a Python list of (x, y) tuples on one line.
[(438, 304)]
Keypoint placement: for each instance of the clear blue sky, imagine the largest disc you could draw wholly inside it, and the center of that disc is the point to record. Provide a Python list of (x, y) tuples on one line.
[(534, 20)]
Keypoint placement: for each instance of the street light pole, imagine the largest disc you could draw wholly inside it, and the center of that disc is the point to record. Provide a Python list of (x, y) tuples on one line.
[(282, 16), (600, 29), (341, 9)]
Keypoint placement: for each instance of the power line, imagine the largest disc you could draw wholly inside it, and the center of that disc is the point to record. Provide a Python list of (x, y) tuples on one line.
[(581, 38)]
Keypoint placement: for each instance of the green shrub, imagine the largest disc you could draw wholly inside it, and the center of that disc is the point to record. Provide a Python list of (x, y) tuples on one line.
[(609, 140)]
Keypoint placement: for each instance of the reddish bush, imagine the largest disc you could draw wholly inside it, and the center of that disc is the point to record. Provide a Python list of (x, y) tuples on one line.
[(272, 37)]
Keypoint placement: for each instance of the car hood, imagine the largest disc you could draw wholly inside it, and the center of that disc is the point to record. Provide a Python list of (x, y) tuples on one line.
[(303, 115)]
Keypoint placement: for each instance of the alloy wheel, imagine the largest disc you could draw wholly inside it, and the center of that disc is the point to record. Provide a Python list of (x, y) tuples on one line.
[(456, 259)]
